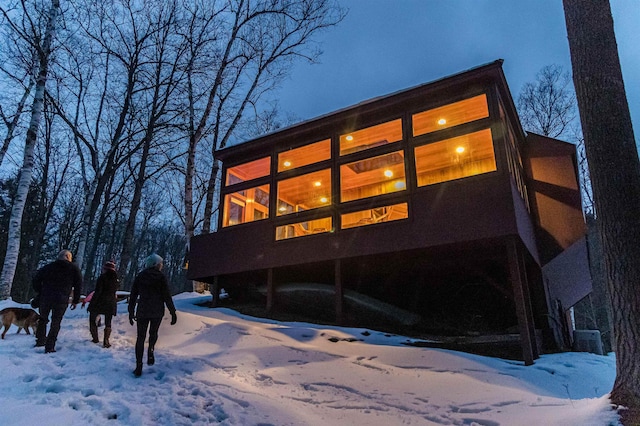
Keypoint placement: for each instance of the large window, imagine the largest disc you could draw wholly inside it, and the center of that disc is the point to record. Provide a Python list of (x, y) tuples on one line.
[(361, 177), (375, 215), (308, 154), (450, 115), (246, 206), (455, 158), (373, 176), (371, 137), (308, 191), (248, 171)]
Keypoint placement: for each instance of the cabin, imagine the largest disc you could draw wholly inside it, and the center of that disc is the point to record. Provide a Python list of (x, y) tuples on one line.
[(429, 209)]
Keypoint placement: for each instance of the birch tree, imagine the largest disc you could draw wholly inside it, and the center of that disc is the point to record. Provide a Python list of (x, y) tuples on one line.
[(42, 42), (615, 176)]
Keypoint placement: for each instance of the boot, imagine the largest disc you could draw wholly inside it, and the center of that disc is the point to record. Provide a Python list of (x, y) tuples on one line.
[(138, 371), (151, 359), (107, 334), (93, 329)]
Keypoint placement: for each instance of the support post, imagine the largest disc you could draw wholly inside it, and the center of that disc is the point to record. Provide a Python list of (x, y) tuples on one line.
[(522, 303), (215, 292), (270, 289), (339, 292)]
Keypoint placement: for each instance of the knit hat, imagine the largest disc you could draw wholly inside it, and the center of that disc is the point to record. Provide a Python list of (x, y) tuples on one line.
[(152, 261), (109, 266)]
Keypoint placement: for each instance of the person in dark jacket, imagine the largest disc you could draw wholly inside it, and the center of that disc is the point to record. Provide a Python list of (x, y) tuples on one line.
[(150, 292), (55, 282), (104, 302)]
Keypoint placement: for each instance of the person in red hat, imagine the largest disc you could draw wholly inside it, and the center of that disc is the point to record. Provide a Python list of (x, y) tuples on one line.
[(104, 302)]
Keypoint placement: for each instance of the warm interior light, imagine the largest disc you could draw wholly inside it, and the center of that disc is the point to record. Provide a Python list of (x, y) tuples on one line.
[(442, 122), (249, 200), (317, 183), (282, 208), (349, 138), (324, 199), (460, 149), (388, 173), (287, 163)]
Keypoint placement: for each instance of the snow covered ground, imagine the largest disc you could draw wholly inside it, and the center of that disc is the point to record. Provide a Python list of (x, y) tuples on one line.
[(216, 366)]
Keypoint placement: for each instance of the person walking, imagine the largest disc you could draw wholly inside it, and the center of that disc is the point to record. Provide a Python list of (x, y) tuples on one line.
[(104, 302), (150, 292), (54, 283)]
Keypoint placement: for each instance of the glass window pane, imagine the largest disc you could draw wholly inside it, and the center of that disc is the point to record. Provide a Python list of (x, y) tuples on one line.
[(248, 171), (308, 154), (372, 176), (455, 158), (376, 215), (309, 191), (450, 115), (370, 137), (301, 229), (246, 206)]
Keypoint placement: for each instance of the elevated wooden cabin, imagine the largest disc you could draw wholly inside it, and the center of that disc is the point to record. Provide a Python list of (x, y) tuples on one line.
[(432, 200)]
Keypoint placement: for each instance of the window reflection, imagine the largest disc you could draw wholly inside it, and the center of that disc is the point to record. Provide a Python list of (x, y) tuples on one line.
[(375, 215), (301, 229), (455, 158), (373, 176)]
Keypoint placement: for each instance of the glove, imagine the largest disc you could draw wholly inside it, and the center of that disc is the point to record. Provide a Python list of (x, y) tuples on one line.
[(132, 318), (174, 318)]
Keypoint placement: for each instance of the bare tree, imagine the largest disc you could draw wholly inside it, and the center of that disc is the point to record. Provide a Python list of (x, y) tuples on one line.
[(111, 90), (164, 77), (19, 68), (255, 43), (11, 121), (548, 105), (42, 44), (615, 176)]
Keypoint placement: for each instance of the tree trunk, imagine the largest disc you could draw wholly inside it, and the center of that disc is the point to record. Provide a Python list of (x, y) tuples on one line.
[(13, 238), (615, 175)]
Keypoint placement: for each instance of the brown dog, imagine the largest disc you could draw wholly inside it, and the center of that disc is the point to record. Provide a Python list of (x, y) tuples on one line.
[(23, 318)]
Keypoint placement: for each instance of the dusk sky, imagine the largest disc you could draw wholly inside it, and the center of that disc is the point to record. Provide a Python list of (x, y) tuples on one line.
[(384, 46)]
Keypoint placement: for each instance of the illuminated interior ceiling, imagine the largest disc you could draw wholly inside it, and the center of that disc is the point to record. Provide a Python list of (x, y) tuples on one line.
[(308, 154)]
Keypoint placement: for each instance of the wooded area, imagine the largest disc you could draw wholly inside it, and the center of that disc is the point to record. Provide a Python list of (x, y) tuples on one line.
[(111, 116)]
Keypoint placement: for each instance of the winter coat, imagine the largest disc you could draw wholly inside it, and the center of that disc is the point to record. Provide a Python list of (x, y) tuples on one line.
[(150, 291), (104, 299), (55, 281)]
